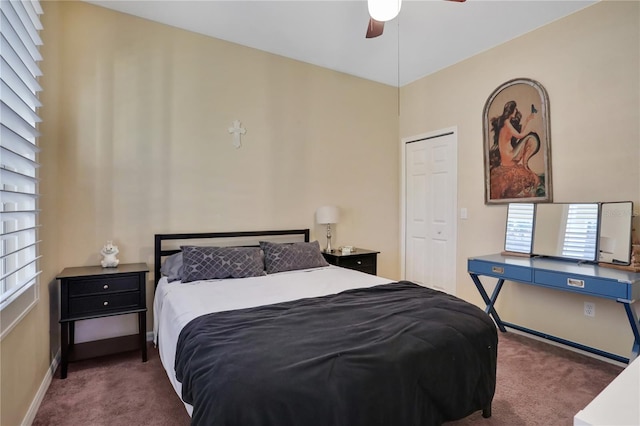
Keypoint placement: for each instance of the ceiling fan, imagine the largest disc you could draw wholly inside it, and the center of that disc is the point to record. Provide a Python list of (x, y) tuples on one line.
[(381, 11)]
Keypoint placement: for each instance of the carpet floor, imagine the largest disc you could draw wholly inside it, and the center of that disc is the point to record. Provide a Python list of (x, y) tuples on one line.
[(537, 384)]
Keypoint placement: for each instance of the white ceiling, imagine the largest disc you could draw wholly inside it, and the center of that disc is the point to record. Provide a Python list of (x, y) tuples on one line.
[(427, 36)]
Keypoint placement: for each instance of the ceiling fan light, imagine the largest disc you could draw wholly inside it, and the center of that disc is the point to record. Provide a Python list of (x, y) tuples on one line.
[(384, 10)]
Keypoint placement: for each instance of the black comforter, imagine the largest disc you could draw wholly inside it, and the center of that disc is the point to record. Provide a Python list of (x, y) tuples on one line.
[(395, 354)]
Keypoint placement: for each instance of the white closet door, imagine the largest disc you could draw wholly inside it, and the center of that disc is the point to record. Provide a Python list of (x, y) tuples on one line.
[(430, 208)]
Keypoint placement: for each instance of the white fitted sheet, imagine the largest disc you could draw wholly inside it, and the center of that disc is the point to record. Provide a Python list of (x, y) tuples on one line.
[(175, 304)]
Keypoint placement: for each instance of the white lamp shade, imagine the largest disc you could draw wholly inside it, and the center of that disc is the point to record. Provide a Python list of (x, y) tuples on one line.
[(327, 214), (384, 10)]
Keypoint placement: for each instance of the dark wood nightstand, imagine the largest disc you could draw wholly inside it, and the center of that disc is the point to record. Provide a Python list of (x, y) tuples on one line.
[(89, 292), (362, 260)]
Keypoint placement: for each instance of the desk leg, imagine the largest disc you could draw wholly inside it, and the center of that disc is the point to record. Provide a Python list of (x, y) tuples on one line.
[(490, 301), (634, 322), (142, 331), (64, 357)]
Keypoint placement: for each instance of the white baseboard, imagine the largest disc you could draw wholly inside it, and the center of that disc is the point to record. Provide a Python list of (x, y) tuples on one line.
[(42, 390)]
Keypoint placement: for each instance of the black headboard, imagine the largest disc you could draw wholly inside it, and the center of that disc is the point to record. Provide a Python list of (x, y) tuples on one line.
[(159, 252)]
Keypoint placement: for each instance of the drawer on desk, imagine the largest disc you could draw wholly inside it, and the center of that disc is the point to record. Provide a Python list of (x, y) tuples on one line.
[(105, 303), (582, 284), (500, 270), (103, 285)]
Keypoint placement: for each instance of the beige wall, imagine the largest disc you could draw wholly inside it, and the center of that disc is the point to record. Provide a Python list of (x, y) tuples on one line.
[(145, 112), (589, 64)]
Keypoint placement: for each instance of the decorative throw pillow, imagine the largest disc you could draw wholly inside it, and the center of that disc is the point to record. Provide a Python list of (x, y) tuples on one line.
[(280, 257), (172, 267), (207, 263)]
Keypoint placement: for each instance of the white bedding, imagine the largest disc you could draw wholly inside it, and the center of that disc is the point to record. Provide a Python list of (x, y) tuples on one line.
[(175, 304)]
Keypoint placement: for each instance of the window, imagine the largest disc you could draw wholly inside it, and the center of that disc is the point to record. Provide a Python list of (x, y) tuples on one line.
[(19, 104)]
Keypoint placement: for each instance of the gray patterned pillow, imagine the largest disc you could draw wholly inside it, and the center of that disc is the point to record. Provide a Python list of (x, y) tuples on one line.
[(207, 263), (279, 257)]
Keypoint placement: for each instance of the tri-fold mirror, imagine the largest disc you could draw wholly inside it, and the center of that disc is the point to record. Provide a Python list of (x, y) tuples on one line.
[(590, 232)]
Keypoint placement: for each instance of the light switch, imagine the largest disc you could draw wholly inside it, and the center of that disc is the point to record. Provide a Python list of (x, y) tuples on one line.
[(463, 213)]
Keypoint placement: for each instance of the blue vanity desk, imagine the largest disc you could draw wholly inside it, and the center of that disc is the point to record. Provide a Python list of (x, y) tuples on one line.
[(566, 275)]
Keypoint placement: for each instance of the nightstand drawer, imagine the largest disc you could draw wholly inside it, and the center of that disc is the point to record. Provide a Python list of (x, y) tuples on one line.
[(362, 260), (86, 287), (104, 303), (361, 263)]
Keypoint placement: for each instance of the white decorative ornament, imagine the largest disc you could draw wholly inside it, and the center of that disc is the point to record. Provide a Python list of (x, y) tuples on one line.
[(109, 252), (237, 130)]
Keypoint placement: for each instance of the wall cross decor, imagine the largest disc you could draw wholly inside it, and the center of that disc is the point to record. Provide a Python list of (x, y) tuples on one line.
[(237, 131)]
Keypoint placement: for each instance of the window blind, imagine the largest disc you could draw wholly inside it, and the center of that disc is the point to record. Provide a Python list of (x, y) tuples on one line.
[(581, 229), (19, 88)]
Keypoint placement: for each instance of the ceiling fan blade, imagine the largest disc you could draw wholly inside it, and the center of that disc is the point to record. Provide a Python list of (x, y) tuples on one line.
[(374, 29)]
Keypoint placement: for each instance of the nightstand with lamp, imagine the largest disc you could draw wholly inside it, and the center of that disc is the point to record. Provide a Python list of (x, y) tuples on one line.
[(359, 259)]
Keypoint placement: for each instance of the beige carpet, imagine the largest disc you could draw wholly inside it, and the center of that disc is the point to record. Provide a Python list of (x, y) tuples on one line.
[(538, 384), (541, 384), (115, 390)]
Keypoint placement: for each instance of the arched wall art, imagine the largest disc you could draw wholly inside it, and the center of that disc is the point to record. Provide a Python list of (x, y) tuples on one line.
[(517, 145)]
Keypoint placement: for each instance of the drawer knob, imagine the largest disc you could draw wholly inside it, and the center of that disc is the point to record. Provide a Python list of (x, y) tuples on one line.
[(106, 286), (359, 262), (106, 303), (497, 269)]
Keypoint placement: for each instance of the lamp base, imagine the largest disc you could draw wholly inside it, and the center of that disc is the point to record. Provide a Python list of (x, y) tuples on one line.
[(328, 249)]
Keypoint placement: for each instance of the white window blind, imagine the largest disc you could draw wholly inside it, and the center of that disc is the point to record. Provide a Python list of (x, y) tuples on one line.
[(519, 232), (581, 231), (19, 72)]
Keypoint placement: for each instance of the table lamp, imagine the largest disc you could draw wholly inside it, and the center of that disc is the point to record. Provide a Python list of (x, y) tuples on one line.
[(326, 215)]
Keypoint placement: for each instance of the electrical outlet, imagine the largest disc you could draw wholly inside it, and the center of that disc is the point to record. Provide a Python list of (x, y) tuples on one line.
[(589, 309)]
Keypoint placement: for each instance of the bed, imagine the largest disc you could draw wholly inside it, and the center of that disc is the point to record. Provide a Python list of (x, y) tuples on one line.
[(276, 341)]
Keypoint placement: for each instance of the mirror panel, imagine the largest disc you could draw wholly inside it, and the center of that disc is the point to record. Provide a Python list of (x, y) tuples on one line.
[(615, 233), (518, 237), (567, 230)]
